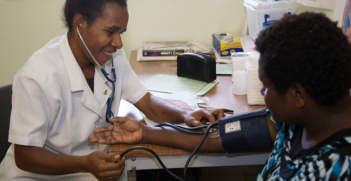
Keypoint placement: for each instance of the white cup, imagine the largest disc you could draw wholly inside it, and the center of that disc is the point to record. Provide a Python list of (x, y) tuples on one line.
[(239, 82), (239, 63)]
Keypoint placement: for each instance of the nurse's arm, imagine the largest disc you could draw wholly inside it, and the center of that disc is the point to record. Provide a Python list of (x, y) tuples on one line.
[(41, 161), (160, 110), (176, 139), (128, 131)]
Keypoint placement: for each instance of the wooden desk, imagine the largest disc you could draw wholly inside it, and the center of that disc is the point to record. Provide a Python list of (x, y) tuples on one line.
[(220, 96)]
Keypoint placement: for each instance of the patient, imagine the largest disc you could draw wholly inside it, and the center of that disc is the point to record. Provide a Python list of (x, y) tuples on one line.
[(305, 67)]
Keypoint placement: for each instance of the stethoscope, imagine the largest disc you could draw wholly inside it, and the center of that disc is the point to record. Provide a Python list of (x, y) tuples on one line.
[(109, 112)]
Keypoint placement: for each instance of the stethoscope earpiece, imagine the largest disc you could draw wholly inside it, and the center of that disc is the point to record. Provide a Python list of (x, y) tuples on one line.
[(86, 47)]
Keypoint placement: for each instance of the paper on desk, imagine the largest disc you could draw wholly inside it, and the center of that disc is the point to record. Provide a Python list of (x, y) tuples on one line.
[(140, 57), (175, 84), (222, 69), (182, 96)]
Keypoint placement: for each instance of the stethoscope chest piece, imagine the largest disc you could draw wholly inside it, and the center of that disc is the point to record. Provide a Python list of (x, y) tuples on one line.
[(214, 132)]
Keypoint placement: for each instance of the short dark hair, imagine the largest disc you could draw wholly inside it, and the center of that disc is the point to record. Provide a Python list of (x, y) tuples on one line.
[(308, 49), (89, 9)]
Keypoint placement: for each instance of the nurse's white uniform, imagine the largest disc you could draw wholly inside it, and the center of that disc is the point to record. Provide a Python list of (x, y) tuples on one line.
[(53, 106)]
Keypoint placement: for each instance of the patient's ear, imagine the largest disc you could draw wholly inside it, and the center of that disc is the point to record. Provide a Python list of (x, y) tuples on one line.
[(299, 95)]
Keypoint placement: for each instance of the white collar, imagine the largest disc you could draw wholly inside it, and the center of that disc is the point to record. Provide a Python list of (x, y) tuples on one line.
[(75, 74)]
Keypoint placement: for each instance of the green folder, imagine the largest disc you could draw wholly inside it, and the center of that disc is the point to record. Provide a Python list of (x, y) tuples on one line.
[(175, 84)]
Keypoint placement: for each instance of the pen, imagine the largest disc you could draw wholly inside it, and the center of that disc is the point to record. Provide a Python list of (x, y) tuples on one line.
[(224, 109), (228, 110)]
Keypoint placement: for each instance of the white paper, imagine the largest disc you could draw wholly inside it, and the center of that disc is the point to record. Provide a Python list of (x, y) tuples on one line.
[(175, 84), (222, 69), (183, 96)]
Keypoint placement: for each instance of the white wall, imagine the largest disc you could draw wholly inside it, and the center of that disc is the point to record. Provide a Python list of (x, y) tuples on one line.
[(27, 25)]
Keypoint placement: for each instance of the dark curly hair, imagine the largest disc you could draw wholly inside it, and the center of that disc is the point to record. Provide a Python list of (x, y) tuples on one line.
[(89, 9), (308, 49)]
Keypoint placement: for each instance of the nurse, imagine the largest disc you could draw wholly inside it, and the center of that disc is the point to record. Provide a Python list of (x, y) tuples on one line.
[(305, 68), (72, 86)]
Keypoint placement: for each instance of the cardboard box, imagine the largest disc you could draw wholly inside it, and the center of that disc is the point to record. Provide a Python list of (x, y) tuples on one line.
[(224, 45)]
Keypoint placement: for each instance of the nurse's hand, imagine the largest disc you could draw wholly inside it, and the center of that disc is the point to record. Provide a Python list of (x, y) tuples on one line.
[(200, 117), (125, 130), (104, 166)]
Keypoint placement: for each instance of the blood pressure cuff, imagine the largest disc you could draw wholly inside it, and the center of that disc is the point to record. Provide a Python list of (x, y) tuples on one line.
[(245, 131)]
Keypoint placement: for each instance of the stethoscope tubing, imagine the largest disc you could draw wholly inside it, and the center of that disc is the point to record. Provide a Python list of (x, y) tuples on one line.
[(189, 158), (109, 112), (184, 129)]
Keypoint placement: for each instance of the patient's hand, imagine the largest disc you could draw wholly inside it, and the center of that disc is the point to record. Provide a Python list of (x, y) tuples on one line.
[(125, 130), (217, 113), (200, 117)]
